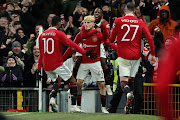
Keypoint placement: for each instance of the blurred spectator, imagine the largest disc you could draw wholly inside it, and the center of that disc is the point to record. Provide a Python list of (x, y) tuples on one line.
[(15, 16), (30, 70), (68, 7), (3, 25), (17, 25), (165, 23), (146, 8), (9, 8), (108, 15), (175, 9), (27, 20), (12, 76), (98, 3), (158, 40), (17, 52), (33, 38), (78, 15), (22, 36), (138, 13), (49, 20), (118, 7), (149, 10), (89, 4), (70, 26)]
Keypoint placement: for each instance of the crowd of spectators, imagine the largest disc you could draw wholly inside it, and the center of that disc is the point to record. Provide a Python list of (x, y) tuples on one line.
[(20, 21)]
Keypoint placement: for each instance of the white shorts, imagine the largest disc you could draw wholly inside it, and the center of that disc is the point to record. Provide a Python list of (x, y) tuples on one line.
[(128, 67), (102, 51), (95, 69), (63, 71)]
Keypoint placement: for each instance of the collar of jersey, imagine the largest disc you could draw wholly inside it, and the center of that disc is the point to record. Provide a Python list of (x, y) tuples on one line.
[(99, 24), (129, 14), (52, 28)]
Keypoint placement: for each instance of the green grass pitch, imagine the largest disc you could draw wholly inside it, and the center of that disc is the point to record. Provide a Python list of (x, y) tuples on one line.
[(76, 116)]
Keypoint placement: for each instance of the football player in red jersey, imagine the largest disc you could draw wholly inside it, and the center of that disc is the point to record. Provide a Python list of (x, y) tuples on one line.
[(87, 65), (102, 26), (129, 30), (50, 58), (168, 70)]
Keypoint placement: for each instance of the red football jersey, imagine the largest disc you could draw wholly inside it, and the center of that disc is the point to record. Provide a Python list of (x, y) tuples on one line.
[(128, 30), (89, 43), (169, 66), (104, 29), (50, 47)]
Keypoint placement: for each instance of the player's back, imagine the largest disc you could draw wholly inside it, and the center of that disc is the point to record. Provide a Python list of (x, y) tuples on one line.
[(129, 37), (50, 43)]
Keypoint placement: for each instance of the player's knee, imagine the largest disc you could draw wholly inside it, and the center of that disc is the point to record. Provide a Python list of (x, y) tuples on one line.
[(79, 83), (103, 63), (101, 85)]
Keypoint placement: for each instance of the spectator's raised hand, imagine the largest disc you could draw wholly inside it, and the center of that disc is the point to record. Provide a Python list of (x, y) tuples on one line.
[(18, 60), (16, 6), (12, 29), (24, 9), (2, 46), (141, 4), (8, 41), (32, 36), (35, 67), (157, 29), (103, 22)]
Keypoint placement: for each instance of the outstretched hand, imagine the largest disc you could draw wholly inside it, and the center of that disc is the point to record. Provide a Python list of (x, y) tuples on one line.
[(91, 54)]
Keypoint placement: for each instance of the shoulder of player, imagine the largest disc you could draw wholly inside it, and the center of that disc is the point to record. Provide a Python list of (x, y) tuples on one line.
[(99, 35)]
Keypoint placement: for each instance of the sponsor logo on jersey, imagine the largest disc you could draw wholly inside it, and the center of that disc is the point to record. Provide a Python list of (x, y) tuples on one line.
[(85, 46), (94, 38), (83, 39)]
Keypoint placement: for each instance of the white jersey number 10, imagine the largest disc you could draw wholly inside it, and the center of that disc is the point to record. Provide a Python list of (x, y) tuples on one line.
[(46, 44), (128, 30)]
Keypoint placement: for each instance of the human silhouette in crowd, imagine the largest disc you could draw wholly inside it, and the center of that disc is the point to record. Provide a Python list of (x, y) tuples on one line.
[(164, 22), (13, 74), (7, 13), (31, 74)]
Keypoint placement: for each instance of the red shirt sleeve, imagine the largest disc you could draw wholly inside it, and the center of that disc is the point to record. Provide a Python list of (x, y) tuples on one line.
[(70, 50), (111, 45), (105, 29)]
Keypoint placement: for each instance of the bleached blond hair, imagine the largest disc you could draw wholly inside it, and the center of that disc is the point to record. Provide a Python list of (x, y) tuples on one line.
[(89, 18)]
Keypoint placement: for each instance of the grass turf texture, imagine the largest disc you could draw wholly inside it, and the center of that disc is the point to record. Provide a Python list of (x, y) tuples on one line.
[(76, 116)]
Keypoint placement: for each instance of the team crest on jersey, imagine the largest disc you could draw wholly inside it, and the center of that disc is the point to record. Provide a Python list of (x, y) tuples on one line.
[(94, 38), (83, 39)]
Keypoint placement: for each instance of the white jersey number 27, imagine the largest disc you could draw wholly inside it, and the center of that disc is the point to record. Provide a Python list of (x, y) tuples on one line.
[(128, 30), (46, 44)]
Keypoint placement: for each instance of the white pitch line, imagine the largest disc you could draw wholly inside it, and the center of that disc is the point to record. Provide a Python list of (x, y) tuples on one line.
[(18, 114)]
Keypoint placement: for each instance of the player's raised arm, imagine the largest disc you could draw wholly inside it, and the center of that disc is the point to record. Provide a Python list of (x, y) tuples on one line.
[(114, 31), (75, 47)]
